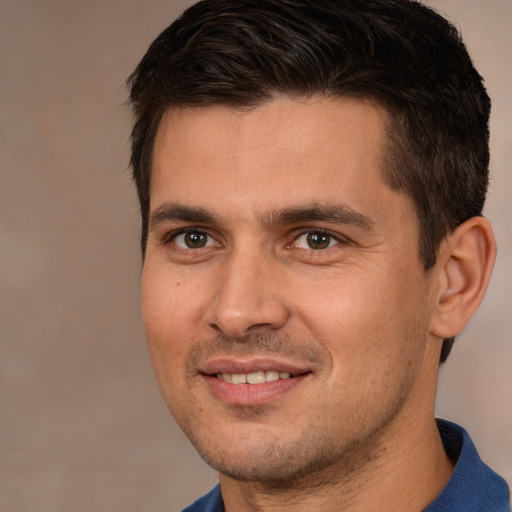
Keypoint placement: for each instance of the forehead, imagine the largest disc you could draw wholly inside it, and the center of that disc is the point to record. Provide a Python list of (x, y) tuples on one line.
[(278, 155), (310, 136), (329, 117)]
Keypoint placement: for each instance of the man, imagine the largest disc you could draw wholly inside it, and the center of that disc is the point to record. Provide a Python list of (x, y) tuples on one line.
[(311, 178)]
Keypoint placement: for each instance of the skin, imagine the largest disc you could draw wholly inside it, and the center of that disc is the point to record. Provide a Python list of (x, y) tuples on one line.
[(349, 311)]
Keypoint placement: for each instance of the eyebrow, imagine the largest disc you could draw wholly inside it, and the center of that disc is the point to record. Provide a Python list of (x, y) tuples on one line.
[(333, 213), (168, 211), (314, 212)]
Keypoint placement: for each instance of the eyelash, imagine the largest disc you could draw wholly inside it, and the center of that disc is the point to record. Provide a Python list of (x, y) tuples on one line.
[(171, 238), (332, 238)]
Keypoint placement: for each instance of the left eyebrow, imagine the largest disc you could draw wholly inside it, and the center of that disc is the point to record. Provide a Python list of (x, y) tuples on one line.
[(336, 214)]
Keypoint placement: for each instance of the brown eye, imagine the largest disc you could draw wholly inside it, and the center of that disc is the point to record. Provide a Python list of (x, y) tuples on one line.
[(316, 240), (193, 240)]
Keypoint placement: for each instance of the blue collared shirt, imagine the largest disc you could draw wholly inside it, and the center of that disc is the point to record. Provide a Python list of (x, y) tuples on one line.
[(473, 486)]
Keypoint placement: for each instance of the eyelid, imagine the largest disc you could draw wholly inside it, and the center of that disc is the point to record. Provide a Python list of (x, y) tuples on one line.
[(171, 236), (338, 238)]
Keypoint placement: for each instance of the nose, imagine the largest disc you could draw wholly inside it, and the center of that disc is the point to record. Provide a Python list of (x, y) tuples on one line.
[(249, 298)]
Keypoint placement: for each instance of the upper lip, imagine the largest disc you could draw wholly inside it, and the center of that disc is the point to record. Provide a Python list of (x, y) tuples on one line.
[(237, 366)]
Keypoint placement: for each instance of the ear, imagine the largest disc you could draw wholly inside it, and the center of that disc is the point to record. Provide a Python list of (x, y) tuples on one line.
[(464, 267)]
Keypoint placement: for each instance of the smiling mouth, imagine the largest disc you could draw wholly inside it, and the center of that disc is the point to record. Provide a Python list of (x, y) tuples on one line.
[(258, 377), (255, 386)]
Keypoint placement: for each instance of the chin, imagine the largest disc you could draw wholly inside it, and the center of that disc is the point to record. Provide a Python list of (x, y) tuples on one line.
[(272, 462)]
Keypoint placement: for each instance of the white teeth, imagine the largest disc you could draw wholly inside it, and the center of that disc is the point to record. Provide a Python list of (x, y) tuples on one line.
[(239, 378), (253, 377), (271, 375), (256, 377)]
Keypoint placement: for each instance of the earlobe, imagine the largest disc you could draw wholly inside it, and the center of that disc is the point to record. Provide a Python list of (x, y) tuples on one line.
[(465, 262)]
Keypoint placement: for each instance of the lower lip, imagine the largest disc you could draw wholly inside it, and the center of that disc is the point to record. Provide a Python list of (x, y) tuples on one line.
[(251, 394)]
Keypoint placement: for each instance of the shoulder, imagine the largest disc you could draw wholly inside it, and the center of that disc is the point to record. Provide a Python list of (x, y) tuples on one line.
[(473, 485), (210, 502)]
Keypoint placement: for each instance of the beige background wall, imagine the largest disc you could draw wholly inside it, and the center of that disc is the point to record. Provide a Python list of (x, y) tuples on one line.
[(82, 425)]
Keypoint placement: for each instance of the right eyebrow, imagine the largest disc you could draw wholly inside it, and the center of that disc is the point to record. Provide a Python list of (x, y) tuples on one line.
[(170, 211)]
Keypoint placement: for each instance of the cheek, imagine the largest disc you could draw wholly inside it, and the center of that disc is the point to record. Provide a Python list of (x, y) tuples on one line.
[(366, 319), (168, 311), (341, 306), (170, 306)]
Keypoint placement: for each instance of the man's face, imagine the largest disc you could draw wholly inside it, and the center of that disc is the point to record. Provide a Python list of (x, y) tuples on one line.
[(278, 256)]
